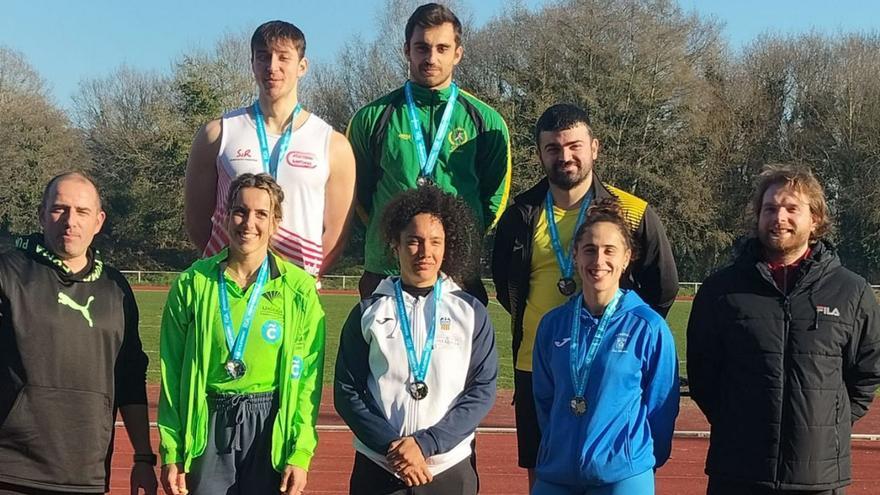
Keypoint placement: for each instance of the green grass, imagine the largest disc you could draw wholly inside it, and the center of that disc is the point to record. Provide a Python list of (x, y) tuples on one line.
[(337, 308)]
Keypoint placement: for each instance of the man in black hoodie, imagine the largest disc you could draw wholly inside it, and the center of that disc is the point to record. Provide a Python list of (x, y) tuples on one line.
[(783, 350), (70, 355)]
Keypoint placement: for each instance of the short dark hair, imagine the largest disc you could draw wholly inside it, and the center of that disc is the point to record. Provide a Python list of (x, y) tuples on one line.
[(432, 15), (70, 173), (608, 210), (798, 178), (262, 181), (273, 31), (560, 117), (462, 242)]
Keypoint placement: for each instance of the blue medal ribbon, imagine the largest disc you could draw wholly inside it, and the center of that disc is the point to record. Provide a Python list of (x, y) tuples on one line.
[(235, 343), (268, 166), (426, 162), (418, 367), (580, 364), (566, 263)]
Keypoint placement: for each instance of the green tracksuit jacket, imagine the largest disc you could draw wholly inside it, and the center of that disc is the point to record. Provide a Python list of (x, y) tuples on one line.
[(474, 163), (191, 316)]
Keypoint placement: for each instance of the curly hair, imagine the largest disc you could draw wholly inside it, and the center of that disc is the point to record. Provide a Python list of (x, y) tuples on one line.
[(608, 210), (462, 242)]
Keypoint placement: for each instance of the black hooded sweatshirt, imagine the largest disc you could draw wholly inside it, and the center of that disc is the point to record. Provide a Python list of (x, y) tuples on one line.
[(70, 354)]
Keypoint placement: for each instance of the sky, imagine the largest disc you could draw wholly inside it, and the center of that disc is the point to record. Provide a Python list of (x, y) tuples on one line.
[(69, 41)]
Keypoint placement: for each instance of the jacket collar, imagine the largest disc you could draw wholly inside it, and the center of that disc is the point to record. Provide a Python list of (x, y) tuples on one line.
[(427, 96), (823, 257), (628, 302), (386, 286), (34, 246), (535, 195), (222, 261)]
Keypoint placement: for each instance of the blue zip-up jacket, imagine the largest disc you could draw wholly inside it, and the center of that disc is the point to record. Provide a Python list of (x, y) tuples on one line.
[(632, 395)]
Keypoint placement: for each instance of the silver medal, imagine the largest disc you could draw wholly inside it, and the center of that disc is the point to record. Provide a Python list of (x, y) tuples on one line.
[(578, 406), (418, 390), (235, 368)]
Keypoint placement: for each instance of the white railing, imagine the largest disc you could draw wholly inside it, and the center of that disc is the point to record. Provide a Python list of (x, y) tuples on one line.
[(333, 282), (149, 276)]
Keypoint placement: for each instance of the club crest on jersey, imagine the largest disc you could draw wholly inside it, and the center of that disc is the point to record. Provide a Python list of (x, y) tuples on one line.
[(457, 137), (296, 367), (301, 159), (445, 323), (825, 310), (272, 295), (620, 342), (272, 331)]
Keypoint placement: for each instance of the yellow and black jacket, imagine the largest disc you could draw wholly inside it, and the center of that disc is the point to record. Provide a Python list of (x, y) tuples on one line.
[(653, 274)]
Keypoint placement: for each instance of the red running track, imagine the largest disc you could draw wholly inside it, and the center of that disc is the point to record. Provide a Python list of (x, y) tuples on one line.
[(496, 455)]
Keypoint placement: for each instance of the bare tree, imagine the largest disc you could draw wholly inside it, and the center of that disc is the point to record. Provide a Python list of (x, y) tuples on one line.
[(36, 142)]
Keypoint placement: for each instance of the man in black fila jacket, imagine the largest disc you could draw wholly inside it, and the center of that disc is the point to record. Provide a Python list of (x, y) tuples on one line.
[(70, 355), (783, 350)]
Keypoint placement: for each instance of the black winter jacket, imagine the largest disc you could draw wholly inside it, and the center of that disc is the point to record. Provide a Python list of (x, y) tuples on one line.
[(69, 355), (781, 378), (653, 274)]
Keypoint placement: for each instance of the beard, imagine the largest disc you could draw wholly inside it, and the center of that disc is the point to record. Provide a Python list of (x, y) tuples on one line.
[(567, 180), (783, 247)]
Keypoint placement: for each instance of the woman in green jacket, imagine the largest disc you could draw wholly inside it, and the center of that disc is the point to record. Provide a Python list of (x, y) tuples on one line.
[(242, 354)]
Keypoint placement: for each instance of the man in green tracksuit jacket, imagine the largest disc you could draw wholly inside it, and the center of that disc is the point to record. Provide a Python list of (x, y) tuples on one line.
[(466, 153)]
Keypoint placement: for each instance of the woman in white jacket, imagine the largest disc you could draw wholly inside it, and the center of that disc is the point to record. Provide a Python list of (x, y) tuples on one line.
[(417, 365)]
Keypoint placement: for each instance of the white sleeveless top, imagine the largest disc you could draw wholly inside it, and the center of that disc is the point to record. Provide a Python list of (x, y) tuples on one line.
[(302, 174)]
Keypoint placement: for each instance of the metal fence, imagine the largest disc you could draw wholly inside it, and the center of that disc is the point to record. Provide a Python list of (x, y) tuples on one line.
[(330, 282), (348, 282)]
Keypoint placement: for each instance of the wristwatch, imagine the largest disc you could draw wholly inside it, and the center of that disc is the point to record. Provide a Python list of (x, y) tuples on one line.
[(148, 458)]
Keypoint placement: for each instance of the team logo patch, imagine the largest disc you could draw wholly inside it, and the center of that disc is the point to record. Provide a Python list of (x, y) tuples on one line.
[(404, 136), (620, 342), (301, 159), (243, 154), (296, 367), (445, 322), (457, 137), (271, 331)]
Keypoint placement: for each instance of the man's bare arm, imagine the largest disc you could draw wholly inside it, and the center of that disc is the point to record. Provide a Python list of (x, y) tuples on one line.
[(200, 188), (338, 198)]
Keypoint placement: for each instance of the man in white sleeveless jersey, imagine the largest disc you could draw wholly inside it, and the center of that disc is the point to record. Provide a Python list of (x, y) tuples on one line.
[(313, 163)]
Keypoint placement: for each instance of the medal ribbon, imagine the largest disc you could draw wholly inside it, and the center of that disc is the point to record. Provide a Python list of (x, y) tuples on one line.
[(268, 166), (426, 162), (566, 264), (418, 367), (236, 344), (580, 365)]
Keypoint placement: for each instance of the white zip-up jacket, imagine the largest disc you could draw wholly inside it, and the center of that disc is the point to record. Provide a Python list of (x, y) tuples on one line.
[(372, 374)]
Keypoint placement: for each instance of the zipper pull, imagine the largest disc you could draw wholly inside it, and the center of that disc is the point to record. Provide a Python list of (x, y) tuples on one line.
[(786, 308)]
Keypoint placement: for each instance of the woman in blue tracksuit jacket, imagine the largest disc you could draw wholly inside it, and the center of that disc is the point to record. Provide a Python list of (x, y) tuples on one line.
[(605, 375)]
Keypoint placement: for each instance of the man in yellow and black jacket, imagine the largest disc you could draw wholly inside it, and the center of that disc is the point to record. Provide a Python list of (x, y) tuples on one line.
[(532, 276)]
